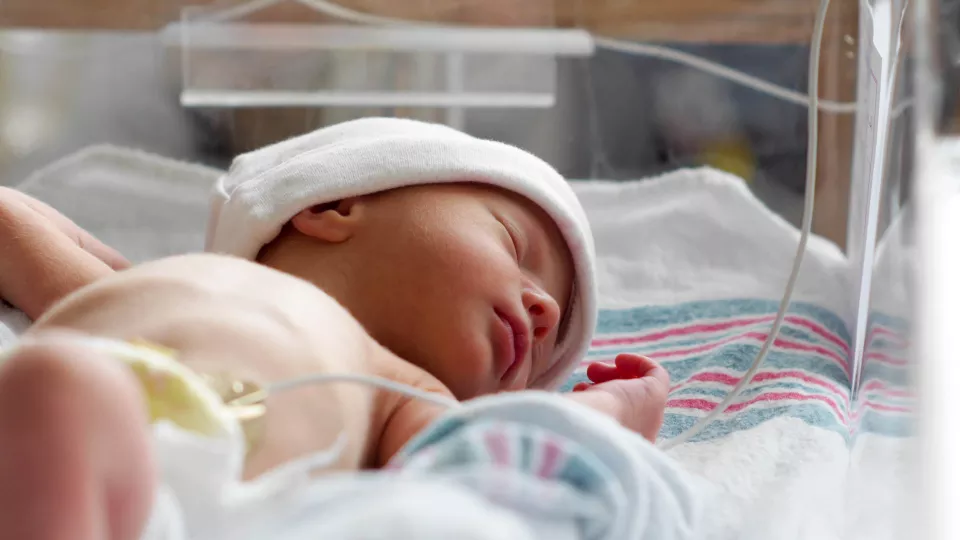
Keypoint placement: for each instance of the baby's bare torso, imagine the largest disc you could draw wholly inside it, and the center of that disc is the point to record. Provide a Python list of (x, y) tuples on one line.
[(227, 316)]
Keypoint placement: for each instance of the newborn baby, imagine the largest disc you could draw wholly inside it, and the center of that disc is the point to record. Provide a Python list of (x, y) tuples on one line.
[(424, 256)]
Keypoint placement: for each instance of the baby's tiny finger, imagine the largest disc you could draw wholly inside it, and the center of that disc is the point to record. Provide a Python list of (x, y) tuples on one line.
[(635, 365), (98, 249), (631, 366), (600, 372)]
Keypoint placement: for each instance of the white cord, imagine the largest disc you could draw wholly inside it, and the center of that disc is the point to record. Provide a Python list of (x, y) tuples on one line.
[(322, 6), (369, 380), (640, 49), (739, 77), (812, 123)]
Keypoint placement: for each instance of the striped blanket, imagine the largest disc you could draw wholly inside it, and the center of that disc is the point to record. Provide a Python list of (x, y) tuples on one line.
[(707, 346)]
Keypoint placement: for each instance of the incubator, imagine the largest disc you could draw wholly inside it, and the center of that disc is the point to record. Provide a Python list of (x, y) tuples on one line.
[(769, 184)]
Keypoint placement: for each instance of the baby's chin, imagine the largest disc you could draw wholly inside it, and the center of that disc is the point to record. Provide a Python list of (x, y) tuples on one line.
[(466, 386)]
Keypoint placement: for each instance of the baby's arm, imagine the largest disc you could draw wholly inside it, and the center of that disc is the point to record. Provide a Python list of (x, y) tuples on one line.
[(44, 256), (407, 416), (633, 391)]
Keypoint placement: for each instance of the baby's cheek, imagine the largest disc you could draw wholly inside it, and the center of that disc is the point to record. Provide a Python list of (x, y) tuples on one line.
[(465, 369)]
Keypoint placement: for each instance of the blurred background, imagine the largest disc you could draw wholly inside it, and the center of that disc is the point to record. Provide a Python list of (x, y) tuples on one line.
[(79, 73)]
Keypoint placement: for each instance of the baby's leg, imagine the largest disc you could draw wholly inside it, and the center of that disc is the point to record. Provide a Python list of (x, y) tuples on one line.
[(75, 454)]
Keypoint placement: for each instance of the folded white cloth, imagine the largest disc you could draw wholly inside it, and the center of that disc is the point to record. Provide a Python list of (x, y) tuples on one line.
[(264, 189)]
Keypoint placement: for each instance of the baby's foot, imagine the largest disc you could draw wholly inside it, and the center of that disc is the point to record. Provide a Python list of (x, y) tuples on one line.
[(633, 390), (75, 454)]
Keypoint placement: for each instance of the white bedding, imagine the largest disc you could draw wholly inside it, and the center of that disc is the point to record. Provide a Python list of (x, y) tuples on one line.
[(690, 235)]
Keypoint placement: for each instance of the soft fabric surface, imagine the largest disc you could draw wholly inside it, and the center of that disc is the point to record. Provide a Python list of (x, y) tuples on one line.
[(519, 466), (690, 269), (691, 266)]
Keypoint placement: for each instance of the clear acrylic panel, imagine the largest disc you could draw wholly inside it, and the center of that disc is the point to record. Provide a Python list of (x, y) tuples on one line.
[(661, 86), (228, 61)]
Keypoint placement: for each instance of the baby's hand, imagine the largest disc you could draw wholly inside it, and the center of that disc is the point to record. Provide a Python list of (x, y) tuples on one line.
[(28, 211), (45, 255), (633, 390)]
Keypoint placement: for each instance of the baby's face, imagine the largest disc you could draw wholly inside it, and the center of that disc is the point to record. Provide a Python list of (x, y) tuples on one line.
[(467, 281)]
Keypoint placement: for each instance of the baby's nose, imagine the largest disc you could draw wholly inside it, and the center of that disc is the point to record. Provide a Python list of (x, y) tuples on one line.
[(543, 310)]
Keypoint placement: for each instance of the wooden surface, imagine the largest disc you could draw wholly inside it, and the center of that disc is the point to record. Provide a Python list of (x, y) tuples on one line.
[(744, 21), (838, 82)]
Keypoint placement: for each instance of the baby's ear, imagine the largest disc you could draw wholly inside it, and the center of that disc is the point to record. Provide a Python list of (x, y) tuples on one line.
[(332, 222)]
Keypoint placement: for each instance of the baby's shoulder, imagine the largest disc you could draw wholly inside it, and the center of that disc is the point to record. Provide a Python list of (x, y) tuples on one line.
[(388, 402), (396, 369), (399, 417)]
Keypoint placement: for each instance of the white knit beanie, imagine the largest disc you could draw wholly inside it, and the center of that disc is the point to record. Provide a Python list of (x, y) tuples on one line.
[(266, 188)]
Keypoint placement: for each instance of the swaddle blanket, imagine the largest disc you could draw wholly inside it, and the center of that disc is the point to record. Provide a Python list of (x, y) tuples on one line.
[(525, 466)]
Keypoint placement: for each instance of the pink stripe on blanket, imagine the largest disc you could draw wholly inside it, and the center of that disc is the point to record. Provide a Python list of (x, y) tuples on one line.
[(884, 408), (719, 326), (755, 336), (885, 359), (549, 459), (886, 390), (820, 331), (896, 338), (724, 378), (496, 441), (784, 396), (707, 405)]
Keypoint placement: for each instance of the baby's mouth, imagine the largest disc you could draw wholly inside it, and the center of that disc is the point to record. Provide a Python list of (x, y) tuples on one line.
[(513, 347)]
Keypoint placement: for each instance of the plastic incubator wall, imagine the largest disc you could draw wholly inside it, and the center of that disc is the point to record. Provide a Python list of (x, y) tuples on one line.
[(74, 74)]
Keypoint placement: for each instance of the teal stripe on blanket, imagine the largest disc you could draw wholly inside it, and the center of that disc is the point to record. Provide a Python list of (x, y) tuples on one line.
[(653, 317), (707, 346)]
